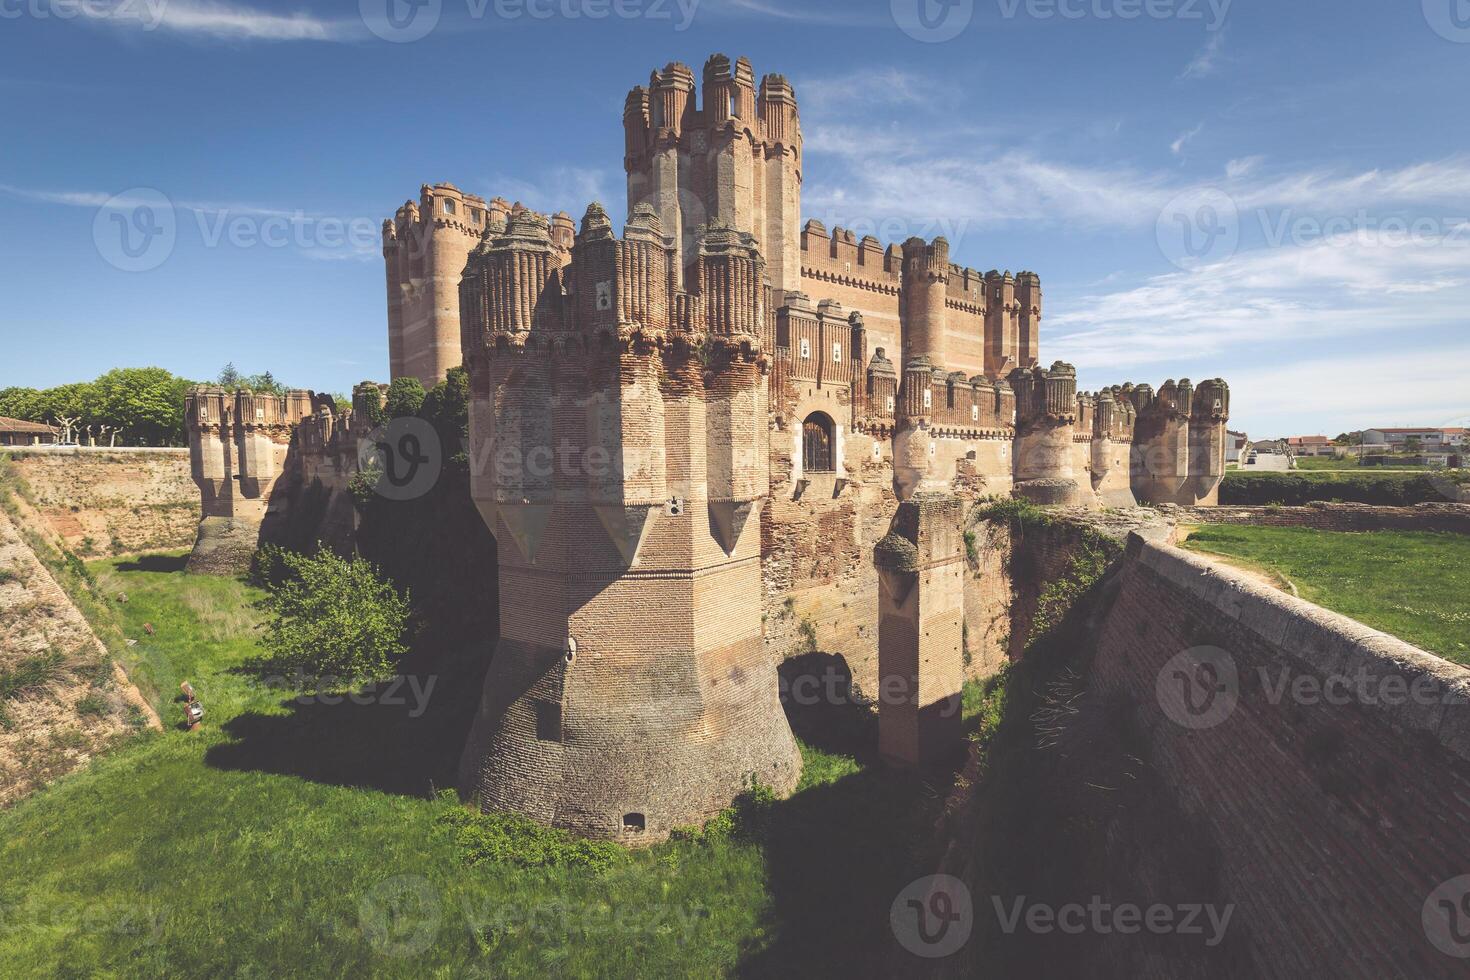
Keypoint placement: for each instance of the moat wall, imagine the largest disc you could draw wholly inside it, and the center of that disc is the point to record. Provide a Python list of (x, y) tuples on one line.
[(1323, 815), (109, 502)]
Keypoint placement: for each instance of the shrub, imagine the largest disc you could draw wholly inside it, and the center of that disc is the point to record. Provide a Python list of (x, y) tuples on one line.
[(1296, 489), (334, 617), (505, 838), (93, 704)]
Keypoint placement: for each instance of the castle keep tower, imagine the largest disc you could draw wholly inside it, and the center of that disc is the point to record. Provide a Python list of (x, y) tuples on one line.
[(732, 158), (623, 424), (425, 246)]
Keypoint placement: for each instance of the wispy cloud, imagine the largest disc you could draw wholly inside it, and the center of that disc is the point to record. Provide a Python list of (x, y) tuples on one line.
[(839, 14), (568, 189), (879, 86), (1177, 147), (218, 21), (1333, 287), (1207, 61)]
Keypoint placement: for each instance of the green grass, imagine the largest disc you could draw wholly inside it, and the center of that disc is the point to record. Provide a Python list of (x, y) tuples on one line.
[(285, 839), (1411, 584)]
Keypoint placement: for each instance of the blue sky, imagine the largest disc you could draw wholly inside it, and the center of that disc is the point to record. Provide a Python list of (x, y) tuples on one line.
[(1313, 152)]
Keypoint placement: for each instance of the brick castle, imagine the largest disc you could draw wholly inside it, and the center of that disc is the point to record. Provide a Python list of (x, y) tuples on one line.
[(701, 446)]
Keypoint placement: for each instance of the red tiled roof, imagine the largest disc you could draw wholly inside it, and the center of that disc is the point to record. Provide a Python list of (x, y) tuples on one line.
[(18, 425)]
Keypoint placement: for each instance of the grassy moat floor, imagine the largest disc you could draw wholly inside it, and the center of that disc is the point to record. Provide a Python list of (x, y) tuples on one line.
[(288, 839), (1413, 585)]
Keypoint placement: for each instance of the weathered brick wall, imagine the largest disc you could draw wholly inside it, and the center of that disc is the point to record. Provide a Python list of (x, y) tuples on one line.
[(1334, 822), (1339, 517), (105, 503)]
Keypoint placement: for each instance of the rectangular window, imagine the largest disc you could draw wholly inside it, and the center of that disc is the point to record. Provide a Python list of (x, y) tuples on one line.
[(806, 347), (974, 413), (928, 398), (837, 353), (448, 207)]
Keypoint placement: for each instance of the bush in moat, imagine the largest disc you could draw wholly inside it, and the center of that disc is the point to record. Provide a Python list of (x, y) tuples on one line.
[(1296, 489), (333, 617)]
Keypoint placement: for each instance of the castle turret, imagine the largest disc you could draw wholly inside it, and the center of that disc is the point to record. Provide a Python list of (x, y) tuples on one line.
[(1046, 417), (1002, 326), (424, 250), (732, 159), (925, 281), (625, 422)]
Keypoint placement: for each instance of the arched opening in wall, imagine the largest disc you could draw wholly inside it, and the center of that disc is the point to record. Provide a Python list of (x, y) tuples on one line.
[(817, 444)]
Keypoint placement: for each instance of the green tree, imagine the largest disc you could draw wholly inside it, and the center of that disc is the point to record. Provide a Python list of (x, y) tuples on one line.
[(264, 383), (229, 378), (147, 404), (334, 617), (21, 403), (405, 398)]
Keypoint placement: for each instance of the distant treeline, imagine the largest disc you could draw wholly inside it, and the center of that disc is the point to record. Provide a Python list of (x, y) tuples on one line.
[(124, 407)]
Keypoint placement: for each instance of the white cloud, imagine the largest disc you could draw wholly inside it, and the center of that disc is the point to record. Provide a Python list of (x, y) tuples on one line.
[(1207, 61), (860, 90), (568, 189), (840, 15), (1351, 391), (1243, 167), (218, 21), (1177, 147), (1344, 286)]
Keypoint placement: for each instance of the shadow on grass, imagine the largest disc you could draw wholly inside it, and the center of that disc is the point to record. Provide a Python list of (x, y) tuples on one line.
[(836, 855), (816, 691), (154, 563), (403, 736)]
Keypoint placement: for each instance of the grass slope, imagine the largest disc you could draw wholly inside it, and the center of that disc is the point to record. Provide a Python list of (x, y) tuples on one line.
[(1413, 585), (289, 839)]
